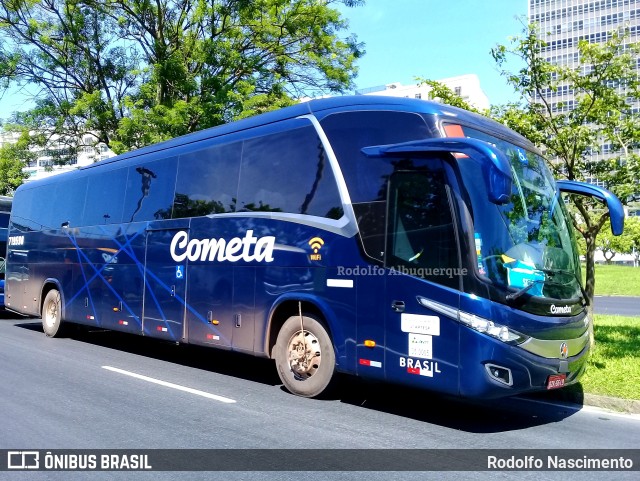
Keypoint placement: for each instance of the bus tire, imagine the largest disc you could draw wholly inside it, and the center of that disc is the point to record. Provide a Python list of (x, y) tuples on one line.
[(308, 371), (52, 314)]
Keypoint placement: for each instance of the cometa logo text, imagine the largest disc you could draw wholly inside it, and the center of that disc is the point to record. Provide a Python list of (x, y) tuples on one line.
[(560, 310), (248, 248)]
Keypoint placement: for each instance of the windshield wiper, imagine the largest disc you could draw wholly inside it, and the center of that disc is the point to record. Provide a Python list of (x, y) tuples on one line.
[(552, 272), (514, 295)]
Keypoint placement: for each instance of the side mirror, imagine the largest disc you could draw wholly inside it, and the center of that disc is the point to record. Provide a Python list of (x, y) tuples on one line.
[(495, 165), (616, 211)]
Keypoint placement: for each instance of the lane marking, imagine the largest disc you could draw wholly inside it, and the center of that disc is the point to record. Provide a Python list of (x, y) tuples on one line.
[(171, 385)]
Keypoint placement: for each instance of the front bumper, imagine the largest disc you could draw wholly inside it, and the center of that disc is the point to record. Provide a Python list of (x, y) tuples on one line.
[(529, 371)]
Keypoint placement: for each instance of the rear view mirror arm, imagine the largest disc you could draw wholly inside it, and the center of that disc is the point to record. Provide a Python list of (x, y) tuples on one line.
[(495, 165)]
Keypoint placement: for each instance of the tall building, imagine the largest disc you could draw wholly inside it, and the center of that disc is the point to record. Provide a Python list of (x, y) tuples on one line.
[(563, 23), (465, 86)]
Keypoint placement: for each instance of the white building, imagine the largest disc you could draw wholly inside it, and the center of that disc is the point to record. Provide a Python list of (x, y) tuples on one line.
[(8, 138), (465, 86), (44, 165), (563, 24)]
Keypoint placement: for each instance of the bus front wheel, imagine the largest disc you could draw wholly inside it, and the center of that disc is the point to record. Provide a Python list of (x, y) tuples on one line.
[(52, 314), (304, 355)]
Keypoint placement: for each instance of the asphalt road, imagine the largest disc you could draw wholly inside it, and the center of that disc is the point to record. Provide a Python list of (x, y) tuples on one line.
[(618, 305), (105, 390)]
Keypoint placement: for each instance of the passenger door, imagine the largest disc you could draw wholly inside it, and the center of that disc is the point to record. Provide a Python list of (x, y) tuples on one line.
[(423, 262)]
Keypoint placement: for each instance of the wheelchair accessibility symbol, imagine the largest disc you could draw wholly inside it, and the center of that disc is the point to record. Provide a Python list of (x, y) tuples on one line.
[(179, 272)]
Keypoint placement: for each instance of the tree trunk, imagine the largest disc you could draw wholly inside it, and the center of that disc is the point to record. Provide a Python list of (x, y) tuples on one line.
[(590, 282), (608, 255)]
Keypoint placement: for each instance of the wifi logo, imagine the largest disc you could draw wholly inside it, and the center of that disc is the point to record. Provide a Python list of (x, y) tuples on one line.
[(316, 244)]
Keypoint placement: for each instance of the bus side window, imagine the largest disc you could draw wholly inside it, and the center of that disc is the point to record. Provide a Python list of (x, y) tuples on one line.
[(348, 132), (69, 212), (208, 181), (367, 177), (105, 198), (371, 223), (150, 188), (4, 234), (288, 172), (421, 237), (25, 215)]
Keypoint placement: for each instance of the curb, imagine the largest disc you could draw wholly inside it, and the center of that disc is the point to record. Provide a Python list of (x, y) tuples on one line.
[(627, 406), (630, 406)]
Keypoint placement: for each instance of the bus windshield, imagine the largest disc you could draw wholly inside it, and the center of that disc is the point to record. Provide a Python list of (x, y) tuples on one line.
[(525, 246)]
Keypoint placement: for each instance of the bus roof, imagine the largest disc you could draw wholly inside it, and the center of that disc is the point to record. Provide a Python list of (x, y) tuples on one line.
[(320, 107)]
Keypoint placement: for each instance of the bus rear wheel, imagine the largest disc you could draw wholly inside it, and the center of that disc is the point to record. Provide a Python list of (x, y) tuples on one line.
[(52, 314), (305, 359)]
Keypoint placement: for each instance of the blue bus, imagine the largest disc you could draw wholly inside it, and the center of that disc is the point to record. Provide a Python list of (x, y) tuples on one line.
[(5, 212), (394, 239)]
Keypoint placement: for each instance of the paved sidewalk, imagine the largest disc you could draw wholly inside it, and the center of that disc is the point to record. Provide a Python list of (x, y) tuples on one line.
[(630, 406), (615, 404)]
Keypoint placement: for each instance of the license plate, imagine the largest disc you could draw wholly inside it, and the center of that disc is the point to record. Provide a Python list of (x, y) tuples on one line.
[(556, 381)]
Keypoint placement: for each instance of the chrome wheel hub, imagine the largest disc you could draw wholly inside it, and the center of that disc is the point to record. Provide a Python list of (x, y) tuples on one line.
[(51, 313), (304, 354)]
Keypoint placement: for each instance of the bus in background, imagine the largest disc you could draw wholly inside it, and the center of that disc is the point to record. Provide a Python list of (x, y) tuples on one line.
[(394, 239), (5, 213)]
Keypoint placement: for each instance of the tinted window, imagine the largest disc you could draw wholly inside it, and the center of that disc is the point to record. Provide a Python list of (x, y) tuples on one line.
[(371, 223), (348, 132), (288, 172), (208, 181), (21, 216), (105, 198), (5, 204), (67, 206), (4, 219), (421, 239), (150, 188), (4, 222)]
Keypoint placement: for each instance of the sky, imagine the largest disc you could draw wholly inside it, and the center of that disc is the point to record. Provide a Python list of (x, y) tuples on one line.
[(405, 39), (435, 39)]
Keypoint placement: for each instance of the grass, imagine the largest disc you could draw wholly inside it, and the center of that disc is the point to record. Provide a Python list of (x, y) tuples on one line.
[(615, 280), (614, 366)]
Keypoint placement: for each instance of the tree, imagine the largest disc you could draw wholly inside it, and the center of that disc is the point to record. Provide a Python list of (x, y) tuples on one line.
[(12, 161), (632, 233), (445, 95), (605, 85), (134, 72), (610, 245)]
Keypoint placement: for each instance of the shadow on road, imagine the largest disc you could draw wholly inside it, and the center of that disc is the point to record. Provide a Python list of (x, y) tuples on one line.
[(476, 416), (491, 416), (214, 360)]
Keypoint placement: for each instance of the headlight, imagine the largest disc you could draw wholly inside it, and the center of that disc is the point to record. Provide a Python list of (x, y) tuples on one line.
[(492, 329), (480, 324)]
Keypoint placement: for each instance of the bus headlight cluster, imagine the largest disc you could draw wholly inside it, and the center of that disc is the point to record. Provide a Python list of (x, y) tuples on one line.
[(498, 331), (477, 323)]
